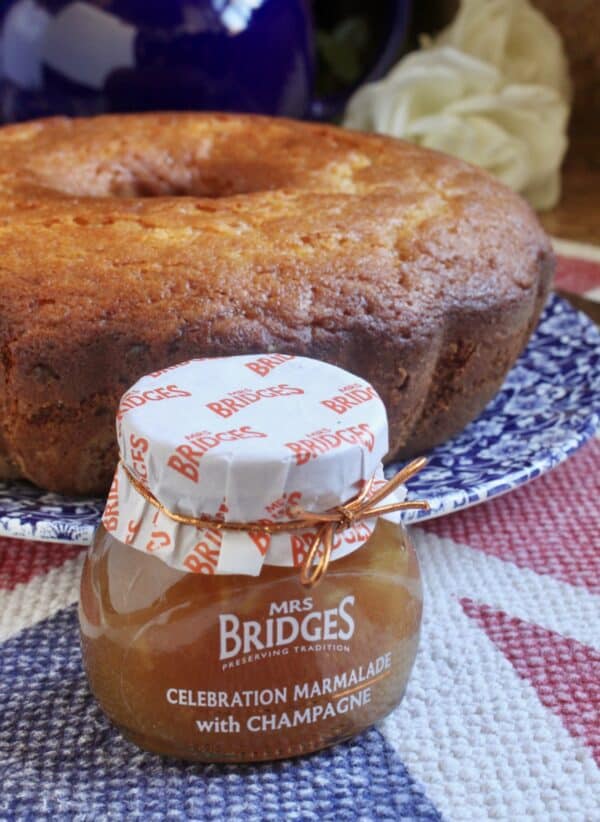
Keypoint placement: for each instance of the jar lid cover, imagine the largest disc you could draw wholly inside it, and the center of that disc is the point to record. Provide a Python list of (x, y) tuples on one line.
[(243, 439)]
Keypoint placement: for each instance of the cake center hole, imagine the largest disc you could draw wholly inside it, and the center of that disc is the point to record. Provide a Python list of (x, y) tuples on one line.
[(145, 177), (208, 181)]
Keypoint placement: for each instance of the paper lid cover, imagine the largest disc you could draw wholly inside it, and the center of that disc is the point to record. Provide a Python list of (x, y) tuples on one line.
[(243, 439)]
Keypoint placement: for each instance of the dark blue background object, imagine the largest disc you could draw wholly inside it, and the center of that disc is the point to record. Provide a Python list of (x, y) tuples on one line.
[(83, 57)]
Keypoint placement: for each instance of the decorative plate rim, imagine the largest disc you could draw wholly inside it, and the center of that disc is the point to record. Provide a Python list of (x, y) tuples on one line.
[(517, 479)]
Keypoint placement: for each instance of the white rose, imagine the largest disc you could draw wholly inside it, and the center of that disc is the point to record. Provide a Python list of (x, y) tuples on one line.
[(512, 36), (444, 99)]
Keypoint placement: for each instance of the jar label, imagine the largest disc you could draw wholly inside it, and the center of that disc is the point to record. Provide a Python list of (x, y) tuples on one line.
[(344, 676)]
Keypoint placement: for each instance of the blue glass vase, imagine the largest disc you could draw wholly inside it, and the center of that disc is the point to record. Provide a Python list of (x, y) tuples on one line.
[(83, 57)]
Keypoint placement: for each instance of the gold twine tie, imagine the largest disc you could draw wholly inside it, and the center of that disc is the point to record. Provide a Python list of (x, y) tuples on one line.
[(361, 507)]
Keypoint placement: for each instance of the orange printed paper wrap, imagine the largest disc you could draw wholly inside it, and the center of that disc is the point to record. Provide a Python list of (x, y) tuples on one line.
[(243, 439)]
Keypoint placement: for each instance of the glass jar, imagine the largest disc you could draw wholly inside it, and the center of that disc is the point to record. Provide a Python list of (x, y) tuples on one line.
[(251, 593), (238, 668)]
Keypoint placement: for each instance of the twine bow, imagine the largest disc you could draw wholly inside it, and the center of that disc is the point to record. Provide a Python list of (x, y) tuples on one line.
[(361, 507)]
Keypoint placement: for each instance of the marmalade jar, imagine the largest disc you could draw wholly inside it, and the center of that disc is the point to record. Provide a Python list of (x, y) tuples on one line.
[(218, 652)]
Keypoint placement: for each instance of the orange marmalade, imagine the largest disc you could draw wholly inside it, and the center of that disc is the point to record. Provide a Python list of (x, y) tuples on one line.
[(232, 668), (207, 640)]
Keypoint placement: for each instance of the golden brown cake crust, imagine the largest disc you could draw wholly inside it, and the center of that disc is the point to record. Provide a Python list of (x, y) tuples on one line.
[(129, 243)]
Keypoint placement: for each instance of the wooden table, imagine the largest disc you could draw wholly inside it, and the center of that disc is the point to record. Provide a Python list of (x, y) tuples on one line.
[(577, 216)]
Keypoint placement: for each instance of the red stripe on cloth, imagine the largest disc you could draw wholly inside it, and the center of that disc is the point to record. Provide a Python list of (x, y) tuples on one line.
[(21, 560), (565, 673), (576, 275), (551, 526)]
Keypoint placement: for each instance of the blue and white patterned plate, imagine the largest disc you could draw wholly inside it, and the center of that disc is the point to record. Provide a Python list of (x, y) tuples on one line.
[(548, 407)]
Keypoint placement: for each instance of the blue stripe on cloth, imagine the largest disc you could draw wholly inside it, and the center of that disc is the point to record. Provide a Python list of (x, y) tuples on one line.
[(60, 758)]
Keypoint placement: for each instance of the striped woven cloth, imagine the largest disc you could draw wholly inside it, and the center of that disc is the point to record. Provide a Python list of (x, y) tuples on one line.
[(501, 719)]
